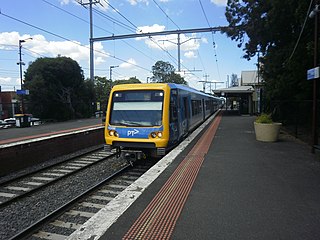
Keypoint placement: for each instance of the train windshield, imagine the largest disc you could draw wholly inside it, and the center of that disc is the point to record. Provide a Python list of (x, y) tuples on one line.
[(137, 108)]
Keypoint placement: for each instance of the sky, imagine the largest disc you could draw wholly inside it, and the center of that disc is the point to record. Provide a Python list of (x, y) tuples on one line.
[(54, 28)]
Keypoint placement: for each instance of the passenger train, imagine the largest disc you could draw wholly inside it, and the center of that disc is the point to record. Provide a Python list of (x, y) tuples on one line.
[(150, 119)]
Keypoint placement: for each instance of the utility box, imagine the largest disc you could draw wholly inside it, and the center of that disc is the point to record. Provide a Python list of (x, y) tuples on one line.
[(23, 120)]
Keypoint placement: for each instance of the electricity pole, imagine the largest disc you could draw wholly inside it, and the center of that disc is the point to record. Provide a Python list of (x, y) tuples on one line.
[(179, 47), (111, 67), (91, 35)]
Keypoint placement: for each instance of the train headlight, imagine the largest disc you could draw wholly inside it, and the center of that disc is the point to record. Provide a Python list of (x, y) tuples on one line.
[(113, 133), (156, 134)]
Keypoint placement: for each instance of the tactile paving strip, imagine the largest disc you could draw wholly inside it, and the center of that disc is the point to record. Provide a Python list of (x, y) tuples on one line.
[(159, 218)]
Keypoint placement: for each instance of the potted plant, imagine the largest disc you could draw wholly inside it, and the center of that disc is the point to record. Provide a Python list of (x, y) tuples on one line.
[(266, 130)]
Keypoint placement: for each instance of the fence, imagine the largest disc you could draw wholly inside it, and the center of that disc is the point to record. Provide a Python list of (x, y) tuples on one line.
[(296, 117)]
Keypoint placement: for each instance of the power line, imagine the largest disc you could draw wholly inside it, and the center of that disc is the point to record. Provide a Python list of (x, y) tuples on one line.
[(213, 40), (106, 17), (66, 39), (113, 20), (165, 14), (304, 24), (117, 11)]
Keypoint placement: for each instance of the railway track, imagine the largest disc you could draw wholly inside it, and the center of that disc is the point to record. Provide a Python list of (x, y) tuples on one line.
[(52, 202), (27, 184), (62, 222)]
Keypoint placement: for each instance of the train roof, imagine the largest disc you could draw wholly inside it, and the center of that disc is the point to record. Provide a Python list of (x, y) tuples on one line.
[(135, 86)]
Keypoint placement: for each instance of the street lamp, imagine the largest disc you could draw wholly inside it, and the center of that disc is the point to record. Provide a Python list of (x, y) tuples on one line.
[(20, 63), (111, 67)]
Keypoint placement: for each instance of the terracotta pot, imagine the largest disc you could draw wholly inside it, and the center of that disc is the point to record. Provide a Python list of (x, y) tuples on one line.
[(267, 132)]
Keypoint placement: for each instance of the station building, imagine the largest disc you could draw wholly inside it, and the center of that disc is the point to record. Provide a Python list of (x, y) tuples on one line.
[(246, 97), (9, 105)]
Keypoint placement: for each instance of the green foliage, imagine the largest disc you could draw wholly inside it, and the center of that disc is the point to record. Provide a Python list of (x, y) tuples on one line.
[(129, 81), (102, 88), (264, 118), (164, 72), (272, 28), (58, 90)]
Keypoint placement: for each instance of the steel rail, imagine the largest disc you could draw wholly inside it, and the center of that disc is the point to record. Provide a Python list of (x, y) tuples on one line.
[(32, 228), (28, 193)]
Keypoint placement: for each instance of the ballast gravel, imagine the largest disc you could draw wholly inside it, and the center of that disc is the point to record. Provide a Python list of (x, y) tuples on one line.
[(15, 217)]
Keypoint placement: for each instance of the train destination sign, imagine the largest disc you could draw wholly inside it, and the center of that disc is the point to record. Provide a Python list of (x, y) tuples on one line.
[(313, 73)]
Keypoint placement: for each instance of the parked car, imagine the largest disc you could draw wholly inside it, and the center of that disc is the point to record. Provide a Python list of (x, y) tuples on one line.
[(10, 120)]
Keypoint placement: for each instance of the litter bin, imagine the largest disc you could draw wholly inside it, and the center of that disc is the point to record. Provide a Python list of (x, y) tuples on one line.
[(23, 120)]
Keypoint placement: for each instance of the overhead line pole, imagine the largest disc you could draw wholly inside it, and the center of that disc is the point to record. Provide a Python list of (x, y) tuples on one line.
[(91, 36), (150, 34), (91, 46)]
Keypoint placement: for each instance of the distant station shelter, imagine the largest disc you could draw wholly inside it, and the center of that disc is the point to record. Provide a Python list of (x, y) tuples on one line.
[(245, 98)]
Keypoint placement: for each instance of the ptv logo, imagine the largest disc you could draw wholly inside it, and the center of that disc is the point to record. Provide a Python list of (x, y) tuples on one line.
[(132, 132)]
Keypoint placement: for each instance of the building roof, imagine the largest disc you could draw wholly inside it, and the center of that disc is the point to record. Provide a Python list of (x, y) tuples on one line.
[(240, 89)]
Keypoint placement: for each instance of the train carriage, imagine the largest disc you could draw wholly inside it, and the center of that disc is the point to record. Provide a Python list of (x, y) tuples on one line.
[(150, 119)]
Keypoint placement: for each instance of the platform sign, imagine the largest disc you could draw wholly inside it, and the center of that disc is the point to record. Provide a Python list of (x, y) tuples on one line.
[(313, 73), (23, 92)]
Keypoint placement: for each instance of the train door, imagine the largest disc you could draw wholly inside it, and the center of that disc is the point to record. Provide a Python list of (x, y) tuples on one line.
[(174, 126), (203, 110), (185, 115)]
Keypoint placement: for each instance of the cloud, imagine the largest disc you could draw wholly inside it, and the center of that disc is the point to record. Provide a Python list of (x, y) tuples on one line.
[(40, 47), (5, 79), (219, 2), (149, 29), (103, 5), (168, 42), (129, 64), (135, 2), (190, 54)]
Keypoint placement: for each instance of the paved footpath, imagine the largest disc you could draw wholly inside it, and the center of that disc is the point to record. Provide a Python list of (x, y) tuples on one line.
[(245, 189)]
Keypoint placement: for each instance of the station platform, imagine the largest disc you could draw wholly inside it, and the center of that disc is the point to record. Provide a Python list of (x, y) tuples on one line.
[(223, 185), (15, 134)]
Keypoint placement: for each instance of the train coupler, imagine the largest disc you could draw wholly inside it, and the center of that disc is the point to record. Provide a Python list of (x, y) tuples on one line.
[(132, 155)]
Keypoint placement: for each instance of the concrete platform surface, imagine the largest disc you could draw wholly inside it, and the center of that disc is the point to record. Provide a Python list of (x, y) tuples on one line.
[(244, 189)]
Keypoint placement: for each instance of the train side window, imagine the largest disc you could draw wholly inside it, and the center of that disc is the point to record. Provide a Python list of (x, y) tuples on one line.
[(196, 107), (173, 106)]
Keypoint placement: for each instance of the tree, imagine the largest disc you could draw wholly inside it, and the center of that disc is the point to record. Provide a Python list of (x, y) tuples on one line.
[(272, 28), (129, 81), (164, 72), (102, 88), (57, 89)]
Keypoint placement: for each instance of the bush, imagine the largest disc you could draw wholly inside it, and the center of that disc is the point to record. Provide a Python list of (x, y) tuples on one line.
[(264, 118)]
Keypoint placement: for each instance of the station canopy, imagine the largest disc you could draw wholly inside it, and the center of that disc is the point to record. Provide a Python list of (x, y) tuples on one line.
[(234, 91)]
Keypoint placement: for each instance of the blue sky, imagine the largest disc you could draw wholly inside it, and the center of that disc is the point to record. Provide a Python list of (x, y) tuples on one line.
[(61, 27)]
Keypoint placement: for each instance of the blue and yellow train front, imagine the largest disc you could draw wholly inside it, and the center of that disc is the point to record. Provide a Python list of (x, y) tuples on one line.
[(137, 120)]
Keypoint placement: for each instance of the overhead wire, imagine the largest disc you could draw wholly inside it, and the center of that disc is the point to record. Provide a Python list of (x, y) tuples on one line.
[(166, 14), (179, 29), (154, 41), (117, 11), (100, 13), (74, 42), (302, 29), (213, 40)]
